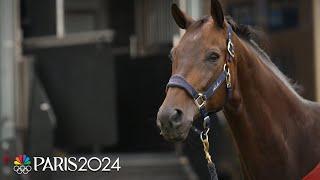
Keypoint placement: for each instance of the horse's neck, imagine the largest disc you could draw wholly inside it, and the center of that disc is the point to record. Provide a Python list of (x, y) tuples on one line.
[(261, 119), (263, 93)]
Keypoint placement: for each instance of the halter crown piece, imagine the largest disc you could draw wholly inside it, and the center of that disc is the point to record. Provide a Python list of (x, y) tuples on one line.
[(200, 99)]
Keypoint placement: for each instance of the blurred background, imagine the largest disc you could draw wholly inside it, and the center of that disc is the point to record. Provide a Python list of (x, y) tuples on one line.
[(86, 78)]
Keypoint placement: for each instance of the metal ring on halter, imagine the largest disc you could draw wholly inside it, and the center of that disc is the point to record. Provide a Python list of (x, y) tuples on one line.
[(226, 68), (228, 75), (230, 48), (204, 135)]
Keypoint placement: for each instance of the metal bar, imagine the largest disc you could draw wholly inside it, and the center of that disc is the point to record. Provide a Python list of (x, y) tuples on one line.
[(10, 36), (60, 29), (70, 39), (7, 75)]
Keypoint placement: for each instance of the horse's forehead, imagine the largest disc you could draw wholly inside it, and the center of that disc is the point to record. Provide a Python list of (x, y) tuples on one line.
[(191, 40), (190, 45), (198, 35)]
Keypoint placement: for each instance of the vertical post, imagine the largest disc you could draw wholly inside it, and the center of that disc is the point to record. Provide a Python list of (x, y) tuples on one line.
[(316, 34), (60, 29), (9, 50), (195, 8), (7, 63)]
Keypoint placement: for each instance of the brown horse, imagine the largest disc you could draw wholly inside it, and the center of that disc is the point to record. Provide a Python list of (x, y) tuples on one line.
[(276, 131)]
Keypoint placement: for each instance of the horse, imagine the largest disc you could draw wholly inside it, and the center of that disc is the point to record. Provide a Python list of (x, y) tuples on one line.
[(276, 131)]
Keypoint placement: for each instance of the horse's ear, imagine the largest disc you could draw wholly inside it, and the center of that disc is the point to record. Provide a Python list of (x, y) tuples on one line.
[(217, 12), (182, 20)]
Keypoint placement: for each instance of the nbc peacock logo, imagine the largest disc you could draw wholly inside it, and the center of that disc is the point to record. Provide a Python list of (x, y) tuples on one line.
[(22, 164)]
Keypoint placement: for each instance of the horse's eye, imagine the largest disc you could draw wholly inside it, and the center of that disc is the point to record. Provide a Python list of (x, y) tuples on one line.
[(213, 57)]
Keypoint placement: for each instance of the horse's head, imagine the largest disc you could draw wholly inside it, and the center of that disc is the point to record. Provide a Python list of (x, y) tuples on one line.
[(199, 58)]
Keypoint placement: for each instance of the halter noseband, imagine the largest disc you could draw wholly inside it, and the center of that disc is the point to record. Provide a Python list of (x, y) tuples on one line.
[(200, 99)]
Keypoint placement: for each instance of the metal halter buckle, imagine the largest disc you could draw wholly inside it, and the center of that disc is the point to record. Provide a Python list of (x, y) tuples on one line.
[(200, 100), (230, 48)]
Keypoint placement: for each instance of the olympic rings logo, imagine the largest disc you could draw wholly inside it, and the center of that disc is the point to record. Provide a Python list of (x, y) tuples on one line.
[(22, 169)]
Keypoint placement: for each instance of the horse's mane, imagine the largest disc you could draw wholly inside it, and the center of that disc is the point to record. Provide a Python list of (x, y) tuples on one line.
[(256, 38)]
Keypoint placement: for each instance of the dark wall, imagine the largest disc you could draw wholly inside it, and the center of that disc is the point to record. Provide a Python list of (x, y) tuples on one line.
[(80, 83), (38, 17), (121, 20), (141, 89)]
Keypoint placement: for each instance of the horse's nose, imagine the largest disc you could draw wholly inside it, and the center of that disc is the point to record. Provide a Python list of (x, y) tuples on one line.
[(170, 118)]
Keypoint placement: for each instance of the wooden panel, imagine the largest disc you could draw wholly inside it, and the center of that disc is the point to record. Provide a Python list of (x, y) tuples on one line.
[(316, 15)]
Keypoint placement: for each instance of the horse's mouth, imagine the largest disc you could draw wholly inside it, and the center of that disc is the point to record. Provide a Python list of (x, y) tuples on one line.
[(174, 139), (175, 136)]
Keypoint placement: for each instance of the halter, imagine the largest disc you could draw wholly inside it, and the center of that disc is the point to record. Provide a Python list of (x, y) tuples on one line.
[(201, 99)]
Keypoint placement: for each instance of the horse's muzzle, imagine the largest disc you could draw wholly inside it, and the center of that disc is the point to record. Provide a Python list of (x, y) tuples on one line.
[(170, 121)]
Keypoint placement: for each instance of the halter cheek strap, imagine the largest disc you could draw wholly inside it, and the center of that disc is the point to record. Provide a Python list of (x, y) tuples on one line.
[(200, 99)]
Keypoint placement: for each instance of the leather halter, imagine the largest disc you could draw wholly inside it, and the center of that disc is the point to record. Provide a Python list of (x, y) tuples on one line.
[(200, 99)]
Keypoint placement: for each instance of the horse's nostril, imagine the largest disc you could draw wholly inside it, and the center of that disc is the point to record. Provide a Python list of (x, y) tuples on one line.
[(175, 118), (176, 115), (174, 124), (169, 118)]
